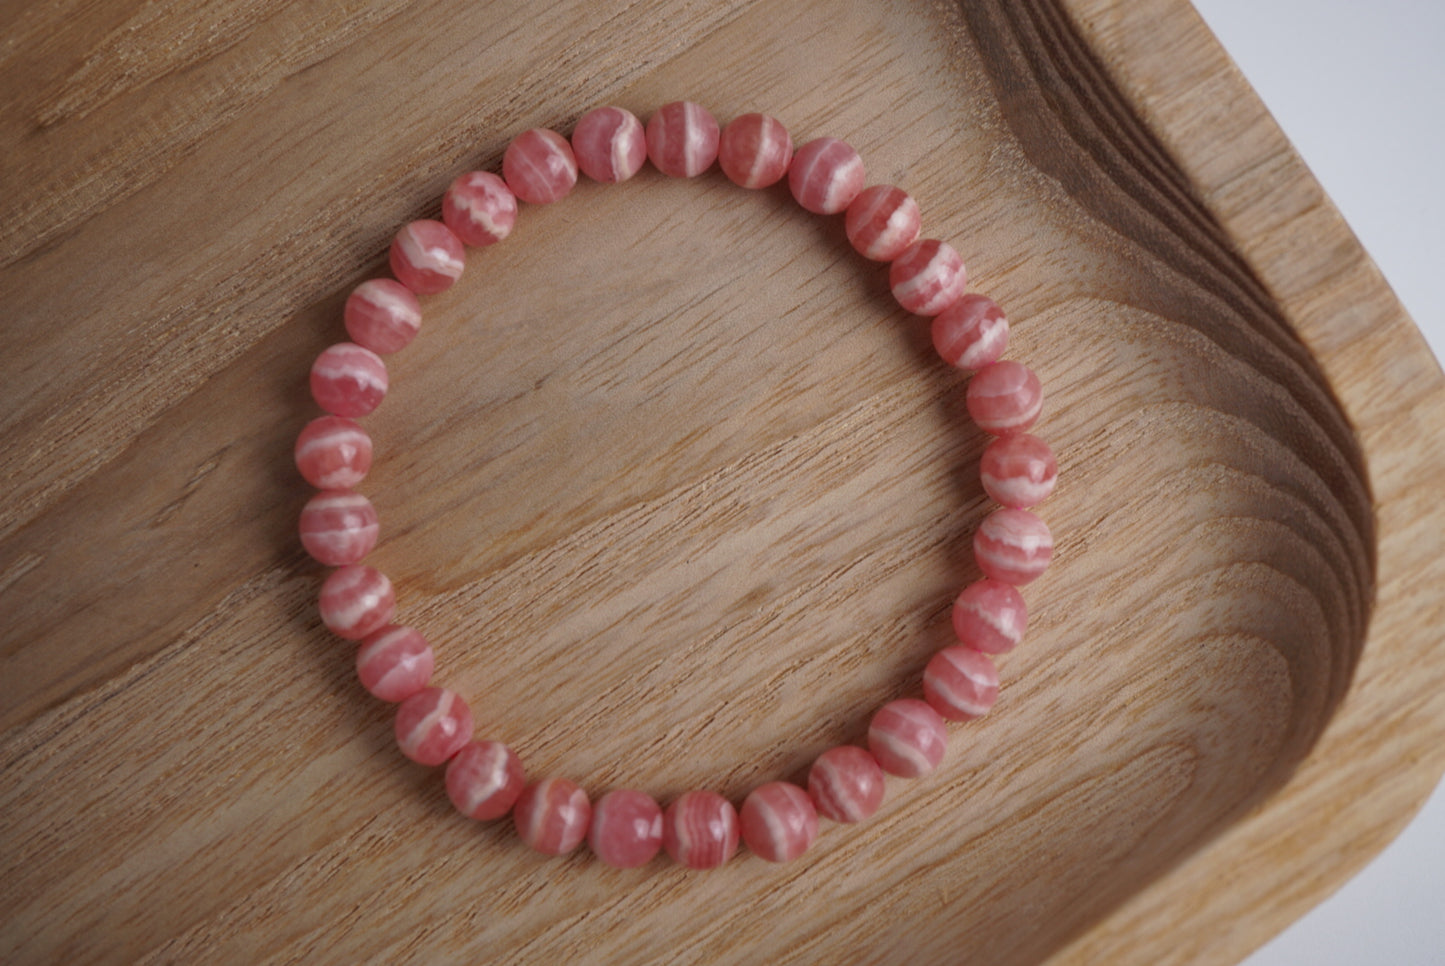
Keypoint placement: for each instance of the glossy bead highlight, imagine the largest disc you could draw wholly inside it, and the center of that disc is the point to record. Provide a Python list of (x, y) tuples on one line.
[(755, 150), (552, 816), (989, 616), (700, 830), (882, 222), (928, 277), (971, 333), (426, 257), (356, 600), (826, 175), (960, 683), (382, 315), (338, 527), (846, 783), (333, 453), (432, 725), (1013, 546), (1019, 470), (626, 830), (1005, 398), (347, 380), (682, 139), (394, 663), (539, 166), (907, 737), (479, 208)]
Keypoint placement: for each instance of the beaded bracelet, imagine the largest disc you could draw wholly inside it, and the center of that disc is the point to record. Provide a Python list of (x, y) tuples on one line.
[(339, 527)]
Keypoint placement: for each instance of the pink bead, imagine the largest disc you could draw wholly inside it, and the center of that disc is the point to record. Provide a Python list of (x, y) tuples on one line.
[(682, 139), (826, 175), (1013, 546), (755, 150), (432, 725), (426, 257), (394, 663), (626, 829), (552, 816), (960, 683), (479, 208), (907, 737), (383, 315), (971, 333), (778, 821), (1018, 471), (539, 166), (700, 830), (347, 380), (882, 222), (484, 780), (333, 453), (1005, 398), (989, 616), (338, 527), (356, 600), (846, 783), (610, 144), (928, 277)]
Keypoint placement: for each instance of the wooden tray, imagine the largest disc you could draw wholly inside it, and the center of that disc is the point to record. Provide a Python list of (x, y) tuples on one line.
[(680, 497)]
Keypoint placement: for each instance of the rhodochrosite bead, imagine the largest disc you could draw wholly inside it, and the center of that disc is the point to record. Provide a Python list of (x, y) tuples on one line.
[(333, 453), (989, 616), (356, 600), (755, 150), (484, 780), (432, 725), (882, 222), (826, 175), (1004, 398), (348, 380), (1013, 546), (338, 527), (778, 821), (928, 277), (971, 333), (960, 683), (846, 783), (907, 737), (609, 144), (394, 663), (539, 166), (382, 315), (700, 830), (552, 815), (426, 257), (626, 829), (1018, 471), (479, 208), (682, 139)]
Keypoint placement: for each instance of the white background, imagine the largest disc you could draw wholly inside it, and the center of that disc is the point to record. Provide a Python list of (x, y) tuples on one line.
[(1359, 87)]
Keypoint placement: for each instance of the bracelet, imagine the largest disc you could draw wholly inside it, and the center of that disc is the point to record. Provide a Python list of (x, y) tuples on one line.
[(339, 527)]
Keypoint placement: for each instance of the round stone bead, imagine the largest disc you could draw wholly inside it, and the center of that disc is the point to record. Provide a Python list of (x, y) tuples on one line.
[(907, 737), (700, 830), (989, 616), (755, 150), (609, 144), (479, 208), (882, 222), (382, 315), (626, 829), (552, 816), (432, 725), (484, 780), (539, 166), (356, 600), (826, 175), (960, 683), (928, 277), (778, 821), (971, 333), (426, 257), (1018, 471), (1005, 398), (348, 380), (333, 453), (394, 663), (1013, 546), (682, 139), (338, 527), (846, 783)]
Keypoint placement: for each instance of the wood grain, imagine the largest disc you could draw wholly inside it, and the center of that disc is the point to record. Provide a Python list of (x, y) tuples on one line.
[(680, 497)]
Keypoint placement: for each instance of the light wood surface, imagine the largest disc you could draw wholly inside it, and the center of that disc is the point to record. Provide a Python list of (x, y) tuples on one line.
[(680, 497)]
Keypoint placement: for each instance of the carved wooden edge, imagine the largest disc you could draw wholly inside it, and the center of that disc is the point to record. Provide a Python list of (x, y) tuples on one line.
[(1379, 756)]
